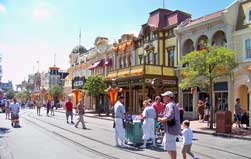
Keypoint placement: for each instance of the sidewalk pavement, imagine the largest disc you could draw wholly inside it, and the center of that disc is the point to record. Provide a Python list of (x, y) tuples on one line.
[(197, 127)]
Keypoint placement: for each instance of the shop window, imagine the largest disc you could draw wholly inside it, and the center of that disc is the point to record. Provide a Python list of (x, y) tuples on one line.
[(248, 48), (151, 58), (141, 59), (221, 101), (188, 102)]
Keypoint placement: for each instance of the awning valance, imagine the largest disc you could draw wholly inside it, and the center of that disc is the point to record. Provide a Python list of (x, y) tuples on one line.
[(108, 62), (95, 64)]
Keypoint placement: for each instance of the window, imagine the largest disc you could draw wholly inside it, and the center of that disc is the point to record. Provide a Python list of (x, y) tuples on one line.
[(151, 58), (249, 15), (188, 102), (248, 48), (170, 56), (141, 59)]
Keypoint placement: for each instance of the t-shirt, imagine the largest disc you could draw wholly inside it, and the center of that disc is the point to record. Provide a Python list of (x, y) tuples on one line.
[(149, 112), (171, 112), (81, 108), (14, 108), (187, 136), (68, 106), (119, 110), (159, 108)]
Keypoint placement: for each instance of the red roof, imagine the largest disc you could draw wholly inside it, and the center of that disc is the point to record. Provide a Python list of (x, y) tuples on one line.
[(161, 18), (205, 18)]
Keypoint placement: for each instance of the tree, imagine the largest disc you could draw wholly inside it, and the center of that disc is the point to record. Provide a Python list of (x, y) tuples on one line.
[(23, 95), (95, 85), (55, 92), (203, 68), (10, 94)]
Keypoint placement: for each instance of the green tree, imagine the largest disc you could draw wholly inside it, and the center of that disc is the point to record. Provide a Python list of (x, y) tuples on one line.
[(10, 94), (55, 92), (23, 95), (94, 86), (203, 68)]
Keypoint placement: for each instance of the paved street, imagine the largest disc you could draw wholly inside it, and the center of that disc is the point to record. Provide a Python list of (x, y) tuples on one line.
[(51, 137)]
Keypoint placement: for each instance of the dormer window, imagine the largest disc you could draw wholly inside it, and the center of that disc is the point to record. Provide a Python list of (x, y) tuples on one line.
[(248, 16)]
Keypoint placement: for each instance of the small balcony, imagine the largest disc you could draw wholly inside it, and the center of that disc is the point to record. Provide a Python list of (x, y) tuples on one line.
[(140, 70)]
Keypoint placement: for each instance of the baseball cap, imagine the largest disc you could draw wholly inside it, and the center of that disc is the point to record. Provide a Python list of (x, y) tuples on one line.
[(167, 93)]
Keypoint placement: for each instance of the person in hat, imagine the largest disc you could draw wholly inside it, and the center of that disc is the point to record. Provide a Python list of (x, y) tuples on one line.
[(120, 116), (171, 114)]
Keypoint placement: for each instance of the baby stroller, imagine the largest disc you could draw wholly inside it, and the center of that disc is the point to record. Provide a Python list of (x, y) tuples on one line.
[(159, 131), (15, 120)]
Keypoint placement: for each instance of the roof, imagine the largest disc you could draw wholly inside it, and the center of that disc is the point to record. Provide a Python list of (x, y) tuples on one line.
[(162, 18), (79, 49), (205, 18)]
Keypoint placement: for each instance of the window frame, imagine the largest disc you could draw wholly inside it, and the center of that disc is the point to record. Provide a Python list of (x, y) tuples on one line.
[(246, 49)]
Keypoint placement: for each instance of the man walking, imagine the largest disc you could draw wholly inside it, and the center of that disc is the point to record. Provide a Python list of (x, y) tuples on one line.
[(120, 115), (172, 124), (81, 111), (69, 107), (14, 110)]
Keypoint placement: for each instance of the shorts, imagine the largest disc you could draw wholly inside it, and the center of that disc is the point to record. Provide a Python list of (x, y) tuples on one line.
[(169, 142), (186, 148), (14, 116)]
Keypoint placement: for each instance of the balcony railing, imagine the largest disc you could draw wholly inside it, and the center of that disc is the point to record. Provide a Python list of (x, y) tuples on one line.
[(140, 70)]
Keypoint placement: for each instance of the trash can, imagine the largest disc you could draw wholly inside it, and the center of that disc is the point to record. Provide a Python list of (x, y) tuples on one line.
[(134, 133), (224, 122)]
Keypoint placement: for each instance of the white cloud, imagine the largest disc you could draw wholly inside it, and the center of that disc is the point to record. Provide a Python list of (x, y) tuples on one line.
[(2, 8), (42, 12)]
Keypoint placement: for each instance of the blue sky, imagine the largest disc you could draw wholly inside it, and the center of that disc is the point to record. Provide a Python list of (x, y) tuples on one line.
[(32, 30)]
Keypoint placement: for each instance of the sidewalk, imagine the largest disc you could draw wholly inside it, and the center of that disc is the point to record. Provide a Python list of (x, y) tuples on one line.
[(198, 127)]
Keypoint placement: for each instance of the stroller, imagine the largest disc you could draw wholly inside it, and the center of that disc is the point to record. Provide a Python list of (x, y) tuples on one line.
[(159, 131), (15, 120)]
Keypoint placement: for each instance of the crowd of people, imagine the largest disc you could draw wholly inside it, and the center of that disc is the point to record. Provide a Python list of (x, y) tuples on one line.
[(166, 113)]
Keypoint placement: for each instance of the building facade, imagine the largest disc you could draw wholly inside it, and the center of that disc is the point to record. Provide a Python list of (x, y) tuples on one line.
[(145, 65), (242, 47)]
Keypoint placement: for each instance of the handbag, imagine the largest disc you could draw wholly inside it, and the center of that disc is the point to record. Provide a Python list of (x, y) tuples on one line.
[(172, 122)]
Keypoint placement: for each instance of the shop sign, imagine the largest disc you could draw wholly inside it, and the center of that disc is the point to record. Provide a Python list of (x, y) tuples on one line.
[(78, 82), (169, 81)]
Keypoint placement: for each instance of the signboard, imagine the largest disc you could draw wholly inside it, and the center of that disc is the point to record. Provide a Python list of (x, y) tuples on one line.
[(78, 82)]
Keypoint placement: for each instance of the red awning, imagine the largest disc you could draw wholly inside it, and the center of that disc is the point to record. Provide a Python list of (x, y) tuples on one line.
[(108, 62), (96, 64)]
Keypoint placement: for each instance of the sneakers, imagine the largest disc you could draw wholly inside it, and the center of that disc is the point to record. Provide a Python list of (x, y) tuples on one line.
[(76, 126), (72, 122), (84, 128), (67, 122)]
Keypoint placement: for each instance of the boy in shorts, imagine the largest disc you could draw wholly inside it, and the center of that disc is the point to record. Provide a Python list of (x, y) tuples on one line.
[(187, 140)]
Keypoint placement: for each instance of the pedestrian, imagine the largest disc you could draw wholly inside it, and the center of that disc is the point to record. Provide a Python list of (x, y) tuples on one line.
[(200, 110), (148, 126), (181, 111), (158, 107), (52, 108), (171, 121), (69, 107), (38, 105), (15, 109), (81, 111), (120, 116), (48, 106), (207, 110), (237, 113), (7, 109), (187, 134)]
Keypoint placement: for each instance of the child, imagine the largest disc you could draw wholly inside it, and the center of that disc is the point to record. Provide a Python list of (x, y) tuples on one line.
[(187, 140)]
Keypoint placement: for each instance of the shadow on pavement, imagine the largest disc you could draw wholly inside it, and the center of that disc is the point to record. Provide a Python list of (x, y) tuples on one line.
[(3, 131)]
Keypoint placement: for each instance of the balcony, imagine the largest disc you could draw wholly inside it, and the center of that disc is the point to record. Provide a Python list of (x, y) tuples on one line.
[(140, 70)]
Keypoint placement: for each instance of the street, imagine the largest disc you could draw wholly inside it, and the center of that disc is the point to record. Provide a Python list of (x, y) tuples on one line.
[(43, 137)]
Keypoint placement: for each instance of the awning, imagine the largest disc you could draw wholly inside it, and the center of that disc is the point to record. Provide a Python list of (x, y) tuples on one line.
[(108, 62), (96, 64)]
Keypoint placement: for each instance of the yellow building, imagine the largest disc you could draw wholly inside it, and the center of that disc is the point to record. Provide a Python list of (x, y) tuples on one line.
[(242, 46), (145, 66)]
